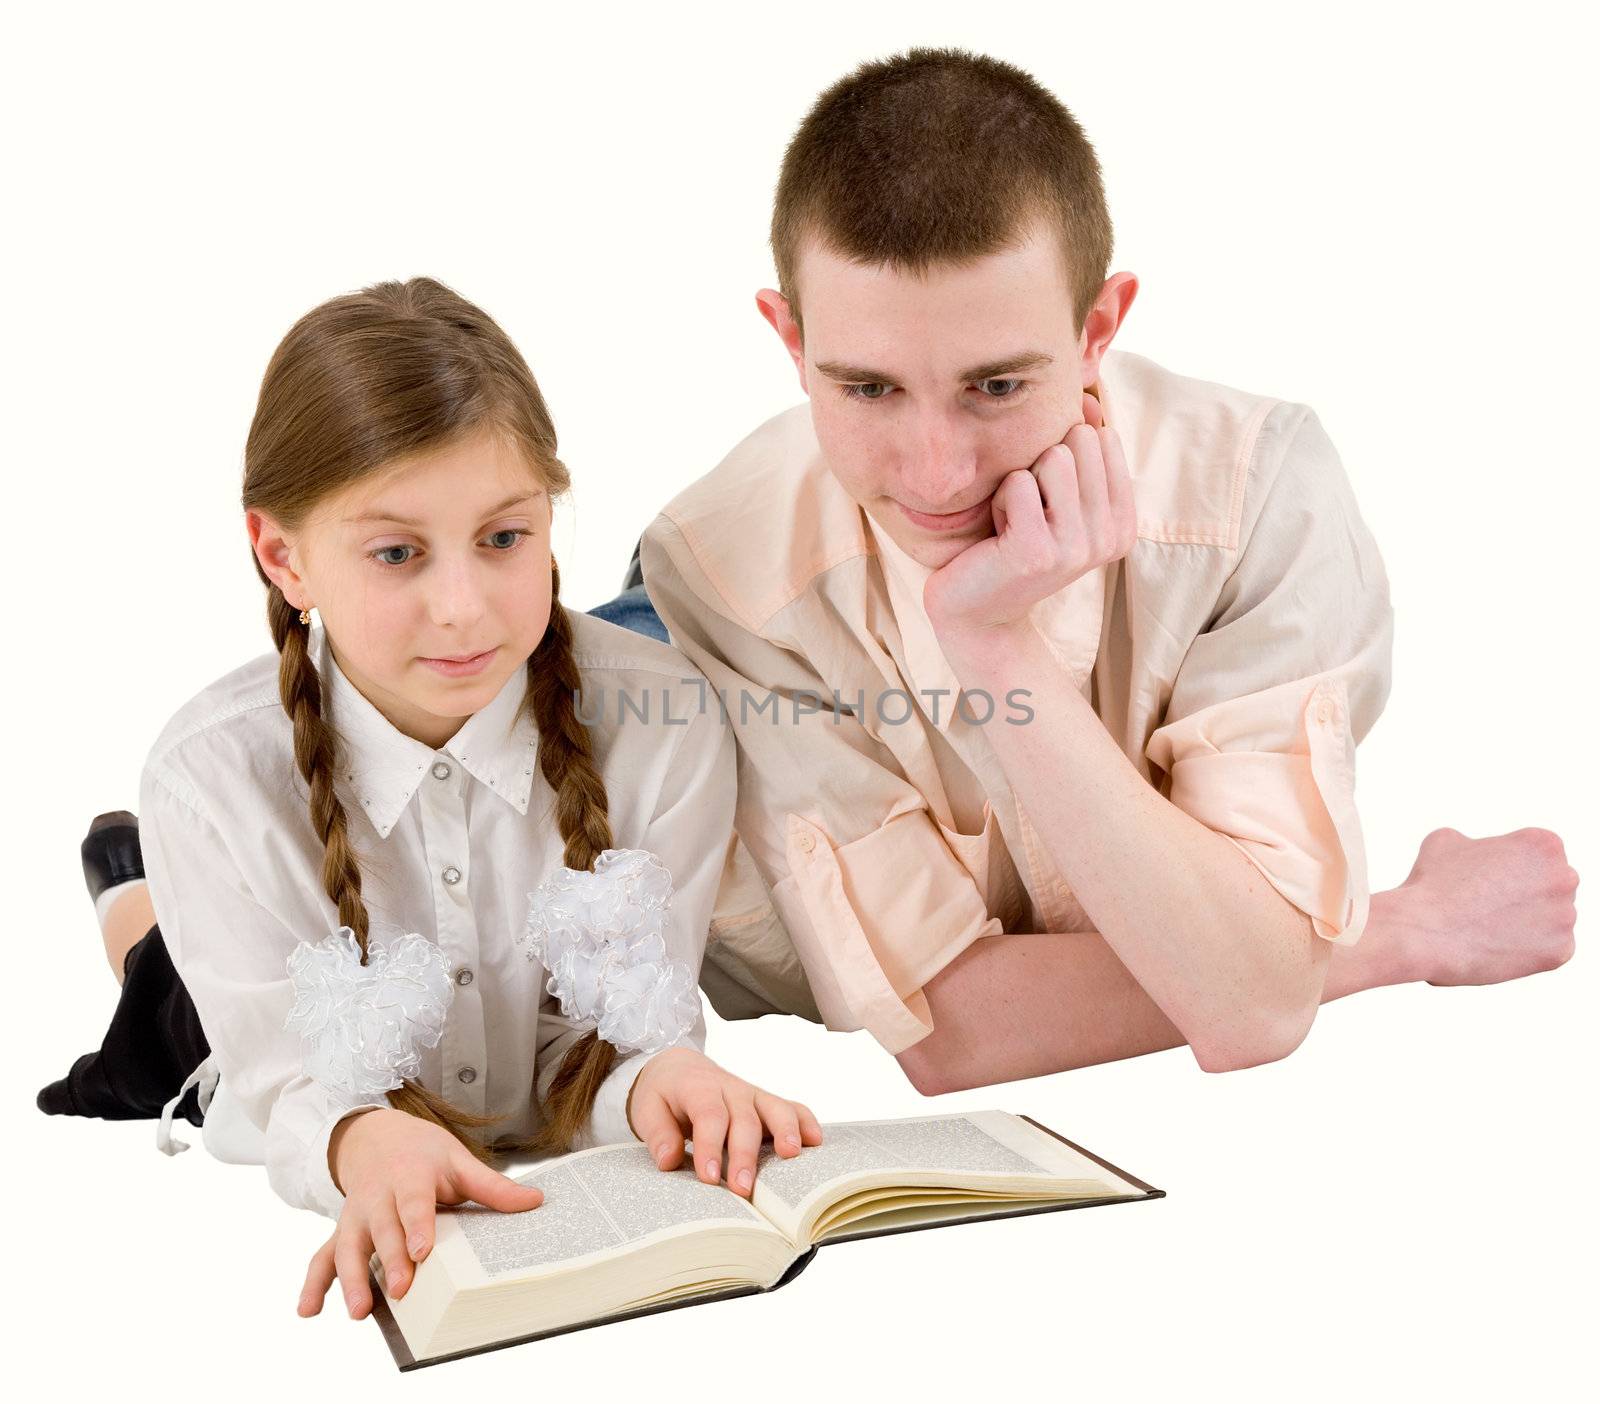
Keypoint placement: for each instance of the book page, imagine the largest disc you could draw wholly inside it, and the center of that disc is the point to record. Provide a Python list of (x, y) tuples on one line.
[(596, 1201), (1055, 1155), (963, 1146), (850, 1147)]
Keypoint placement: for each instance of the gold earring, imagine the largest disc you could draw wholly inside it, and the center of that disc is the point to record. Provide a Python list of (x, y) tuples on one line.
[(305, 616)]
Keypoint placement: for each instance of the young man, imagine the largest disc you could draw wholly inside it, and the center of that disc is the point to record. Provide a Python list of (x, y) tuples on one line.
[(1164, 618)]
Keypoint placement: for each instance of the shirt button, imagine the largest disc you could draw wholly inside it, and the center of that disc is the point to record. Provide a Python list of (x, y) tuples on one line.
[(807, 843), (1324, 711), (451, 875), (441, 771), (463, 976), (468, 1075)]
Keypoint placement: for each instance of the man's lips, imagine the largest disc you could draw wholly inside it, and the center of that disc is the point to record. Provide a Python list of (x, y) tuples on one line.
[(946, 521)]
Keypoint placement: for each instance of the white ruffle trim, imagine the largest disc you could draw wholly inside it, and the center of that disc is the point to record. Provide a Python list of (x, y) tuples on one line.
[(361, 1026), (599, 935)]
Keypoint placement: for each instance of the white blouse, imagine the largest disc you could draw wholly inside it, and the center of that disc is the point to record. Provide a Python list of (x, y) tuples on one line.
[(451, 842)]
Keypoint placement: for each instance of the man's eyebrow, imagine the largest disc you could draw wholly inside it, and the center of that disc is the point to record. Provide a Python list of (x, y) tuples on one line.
[(378, 515), (989, 370), (1008, 365), (854, 375)]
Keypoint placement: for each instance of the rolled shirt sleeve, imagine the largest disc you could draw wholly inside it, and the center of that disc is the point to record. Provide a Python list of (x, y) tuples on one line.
[(871, 894), (1259, 736), (231, 953)]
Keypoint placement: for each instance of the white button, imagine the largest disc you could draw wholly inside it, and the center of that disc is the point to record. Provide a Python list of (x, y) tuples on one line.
[(468, 1074), (807, 843), (1324, 711), (451, 875), (463, 976), (441, 771)]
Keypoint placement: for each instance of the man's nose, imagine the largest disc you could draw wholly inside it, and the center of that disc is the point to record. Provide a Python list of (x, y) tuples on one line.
[(938, 463)]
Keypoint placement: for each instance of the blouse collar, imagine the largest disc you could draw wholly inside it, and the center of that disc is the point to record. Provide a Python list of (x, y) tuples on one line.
[(383, 766)]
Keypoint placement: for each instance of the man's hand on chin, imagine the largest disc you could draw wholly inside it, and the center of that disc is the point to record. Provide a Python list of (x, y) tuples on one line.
[(1070, 512)]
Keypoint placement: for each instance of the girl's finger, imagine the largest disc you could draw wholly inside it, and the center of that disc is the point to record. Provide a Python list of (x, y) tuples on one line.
[(657, 1127), (475, 1180), (389, 1239), (708, 1118), (319, 1277), (417, 1207), (744, 1140), (782, 1121), (810, 1127), (350, 1255)]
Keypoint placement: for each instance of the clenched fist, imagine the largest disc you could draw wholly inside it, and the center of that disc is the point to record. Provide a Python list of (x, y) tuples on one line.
[(1070, 512)]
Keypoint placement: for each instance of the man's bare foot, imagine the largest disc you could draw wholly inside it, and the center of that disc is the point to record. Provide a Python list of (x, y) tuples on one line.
[(1485, 910)]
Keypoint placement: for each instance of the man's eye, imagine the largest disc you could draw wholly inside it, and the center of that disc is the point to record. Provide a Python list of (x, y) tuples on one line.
[(870, 390), (998, 389)]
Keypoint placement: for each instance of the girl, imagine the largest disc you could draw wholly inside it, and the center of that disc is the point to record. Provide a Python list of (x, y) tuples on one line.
[(414, 765)]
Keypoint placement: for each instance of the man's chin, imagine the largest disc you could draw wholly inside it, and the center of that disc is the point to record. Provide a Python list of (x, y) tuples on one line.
[(937, 552), (928, 548)]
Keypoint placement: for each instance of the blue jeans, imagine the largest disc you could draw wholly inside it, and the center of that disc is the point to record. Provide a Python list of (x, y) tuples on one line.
[(632, 608)]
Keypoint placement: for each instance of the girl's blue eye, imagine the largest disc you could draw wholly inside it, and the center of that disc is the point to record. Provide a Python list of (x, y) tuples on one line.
[(515, 533), (997, 388)]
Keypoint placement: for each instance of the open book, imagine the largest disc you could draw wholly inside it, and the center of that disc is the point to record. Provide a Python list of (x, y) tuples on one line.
[(616, 1237)]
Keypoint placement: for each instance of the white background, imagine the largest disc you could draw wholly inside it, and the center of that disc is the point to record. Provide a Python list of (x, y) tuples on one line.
[(1382, 213)]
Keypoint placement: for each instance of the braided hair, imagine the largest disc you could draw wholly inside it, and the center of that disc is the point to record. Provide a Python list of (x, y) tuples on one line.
[(359, 382)]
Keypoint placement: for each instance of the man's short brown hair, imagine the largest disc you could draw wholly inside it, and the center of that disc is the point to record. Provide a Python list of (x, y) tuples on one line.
[(940, 156)]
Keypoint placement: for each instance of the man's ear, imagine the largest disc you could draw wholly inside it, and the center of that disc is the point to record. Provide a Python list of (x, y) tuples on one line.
[(774, 306), (1105, 317), (276, 554)]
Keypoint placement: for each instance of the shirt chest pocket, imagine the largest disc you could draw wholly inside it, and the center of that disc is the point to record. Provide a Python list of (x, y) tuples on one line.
[(1055, 907), (988, 862)]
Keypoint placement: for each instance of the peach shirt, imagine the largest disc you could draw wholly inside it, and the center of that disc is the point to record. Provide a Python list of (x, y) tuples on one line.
[(1236, 655)]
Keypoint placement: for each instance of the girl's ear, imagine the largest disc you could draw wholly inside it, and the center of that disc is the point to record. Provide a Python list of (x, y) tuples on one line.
[(275, 552)]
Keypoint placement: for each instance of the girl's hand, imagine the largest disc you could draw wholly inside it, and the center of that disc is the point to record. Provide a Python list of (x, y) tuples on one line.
[(394, 1168), (682, 1092)]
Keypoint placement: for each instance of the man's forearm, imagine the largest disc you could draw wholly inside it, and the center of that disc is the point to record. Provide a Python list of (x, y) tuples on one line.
[(1020, 1006), (1227, 959)]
